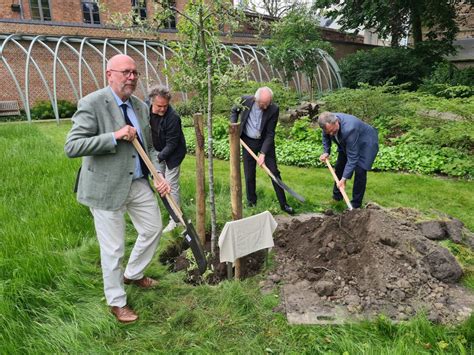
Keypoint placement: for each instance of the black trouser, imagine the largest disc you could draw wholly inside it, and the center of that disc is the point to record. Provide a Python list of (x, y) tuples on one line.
[(250, 166), (360, 181)]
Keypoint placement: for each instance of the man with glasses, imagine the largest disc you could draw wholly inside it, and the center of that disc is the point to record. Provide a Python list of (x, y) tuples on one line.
[(259, 117), (113, 179), (358, 145)]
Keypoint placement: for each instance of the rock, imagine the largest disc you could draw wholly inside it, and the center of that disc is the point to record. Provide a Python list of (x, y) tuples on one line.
[(275, 278), (434, 316), (454, 229), (312, 276), (352, 299), (352, 248), (443, 266), (397, 295), (438, 306), (324, 288), (402, 283), (433, 230)]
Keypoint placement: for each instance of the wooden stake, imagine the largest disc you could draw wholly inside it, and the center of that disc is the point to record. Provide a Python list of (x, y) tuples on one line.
[(235, 180), (200, 179)]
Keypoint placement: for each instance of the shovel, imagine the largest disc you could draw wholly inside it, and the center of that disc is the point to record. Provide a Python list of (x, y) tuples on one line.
[(175, 212), (343, 192), (273, 177)]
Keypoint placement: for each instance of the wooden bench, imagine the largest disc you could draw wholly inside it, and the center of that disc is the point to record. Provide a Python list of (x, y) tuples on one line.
[(9, 108)]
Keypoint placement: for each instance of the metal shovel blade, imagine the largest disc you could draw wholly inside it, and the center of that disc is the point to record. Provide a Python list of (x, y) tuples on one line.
[(192, 239)]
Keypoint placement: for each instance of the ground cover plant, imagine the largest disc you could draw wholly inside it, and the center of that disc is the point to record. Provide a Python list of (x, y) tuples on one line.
[(50, 278)]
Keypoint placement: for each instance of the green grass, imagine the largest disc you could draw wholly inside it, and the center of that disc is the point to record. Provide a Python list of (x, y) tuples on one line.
[(51, 297)]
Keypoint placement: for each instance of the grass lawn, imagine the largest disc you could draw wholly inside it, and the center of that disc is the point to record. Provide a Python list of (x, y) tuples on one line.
[(51, 297)]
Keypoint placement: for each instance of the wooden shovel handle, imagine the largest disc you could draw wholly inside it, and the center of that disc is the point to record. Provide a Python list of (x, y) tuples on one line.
[(343, 192), (156, 176), (247, 148)]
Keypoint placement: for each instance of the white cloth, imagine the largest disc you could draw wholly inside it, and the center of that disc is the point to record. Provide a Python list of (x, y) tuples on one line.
[(246, 236), (144, 212)]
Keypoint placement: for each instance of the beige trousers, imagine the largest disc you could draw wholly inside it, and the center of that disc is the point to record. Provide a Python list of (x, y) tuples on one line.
[(142, 207)]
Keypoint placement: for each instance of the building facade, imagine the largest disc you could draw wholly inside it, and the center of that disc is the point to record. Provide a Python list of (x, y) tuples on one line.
[(56, 49)]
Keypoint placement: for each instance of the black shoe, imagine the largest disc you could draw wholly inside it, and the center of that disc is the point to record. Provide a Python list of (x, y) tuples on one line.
[(337, 198), (288, 209)]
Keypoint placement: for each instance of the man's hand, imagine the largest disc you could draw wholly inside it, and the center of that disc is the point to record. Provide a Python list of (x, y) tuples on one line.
[(323, 157), (341, 185), (261, 159), (162, 186), (126, 133)]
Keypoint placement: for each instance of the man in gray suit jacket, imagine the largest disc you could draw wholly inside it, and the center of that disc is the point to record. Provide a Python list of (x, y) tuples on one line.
[(358, 145), (113, 179)]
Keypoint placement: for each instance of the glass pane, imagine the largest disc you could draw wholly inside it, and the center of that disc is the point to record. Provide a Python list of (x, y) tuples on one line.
[(46, 14), (143, 13), (35, 14), (96, 18)]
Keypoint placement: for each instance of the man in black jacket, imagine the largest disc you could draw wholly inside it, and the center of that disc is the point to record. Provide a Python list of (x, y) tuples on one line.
[(259, 117), (168, 140)]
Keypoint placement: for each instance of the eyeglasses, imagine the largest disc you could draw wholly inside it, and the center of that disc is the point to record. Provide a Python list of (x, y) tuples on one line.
[(127, 73)]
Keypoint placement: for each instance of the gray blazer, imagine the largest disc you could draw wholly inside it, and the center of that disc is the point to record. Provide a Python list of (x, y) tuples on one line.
[(358, 140), (107, 169)]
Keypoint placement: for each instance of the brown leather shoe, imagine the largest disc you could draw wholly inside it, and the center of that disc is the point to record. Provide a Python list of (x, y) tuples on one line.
[(124, 314), (144, 282)]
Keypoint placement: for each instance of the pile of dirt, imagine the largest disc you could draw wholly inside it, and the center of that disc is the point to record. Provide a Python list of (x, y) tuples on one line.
[(368, 262)]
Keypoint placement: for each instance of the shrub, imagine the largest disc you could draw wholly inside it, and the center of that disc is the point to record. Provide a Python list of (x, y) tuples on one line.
[(366, 103), (381, 65), (283, 96), (44, 110)]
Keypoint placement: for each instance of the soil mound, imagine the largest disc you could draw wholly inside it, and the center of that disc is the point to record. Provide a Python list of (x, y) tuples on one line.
[(364, 263)]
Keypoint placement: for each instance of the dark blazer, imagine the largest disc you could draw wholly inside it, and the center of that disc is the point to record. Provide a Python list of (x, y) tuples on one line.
[(269, 122), (168, 137), (358, 140)]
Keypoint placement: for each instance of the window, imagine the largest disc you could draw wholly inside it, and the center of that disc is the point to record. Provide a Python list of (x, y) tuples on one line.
[(90, 11), (139, 9), (170, 22), (40, 10)]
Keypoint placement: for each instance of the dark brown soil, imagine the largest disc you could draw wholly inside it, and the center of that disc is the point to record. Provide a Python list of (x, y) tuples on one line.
[(175, 256), (363, 263)]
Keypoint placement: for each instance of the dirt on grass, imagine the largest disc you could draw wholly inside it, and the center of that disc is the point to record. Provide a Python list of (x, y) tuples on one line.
[(332, 268), (368, 262)]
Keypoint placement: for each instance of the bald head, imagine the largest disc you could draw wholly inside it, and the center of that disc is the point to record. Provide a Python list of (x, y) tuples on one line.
[(264, 97), (122, 75)]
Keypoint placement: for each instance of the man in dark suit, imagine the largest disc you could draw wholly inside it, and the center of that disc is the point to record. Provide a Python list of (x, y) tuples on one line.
[(358, 145), (113, 180), (168, 140), (259, 117)]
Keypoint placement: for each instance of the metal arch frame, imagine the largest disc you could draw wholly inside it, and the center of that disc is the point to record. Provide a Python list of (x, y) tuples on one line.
[(7, 65), (328, 73), (40, 73)]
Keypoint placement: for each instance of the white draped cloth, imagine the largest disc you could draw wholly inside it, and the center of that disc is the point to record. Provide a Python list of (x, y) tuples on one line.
[(246, 236)]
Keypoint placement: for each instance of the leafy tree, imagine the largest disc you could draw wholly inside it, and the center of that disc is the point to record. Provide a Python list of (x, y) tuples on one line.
[(201, 63), (274, 8), (295, 45), (398, 18)]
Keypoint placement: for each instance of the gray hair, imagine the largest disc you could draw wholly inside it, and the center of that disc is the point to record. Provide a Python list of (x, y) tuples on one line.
[(259, 91), (325, 118), (159, 90)]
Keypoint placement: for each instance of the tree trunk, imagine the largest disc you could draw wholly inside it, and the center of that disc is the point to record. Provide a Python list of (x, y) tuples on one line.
[(200, 179), (416, 27), (212, 199)]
